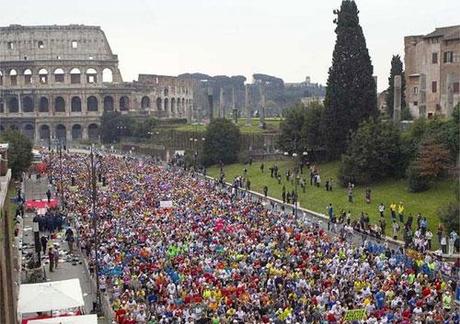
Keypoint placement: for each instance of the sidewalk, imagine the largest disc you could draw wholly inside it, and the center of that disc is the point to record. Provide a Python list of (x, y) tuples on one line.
[(67, 267)]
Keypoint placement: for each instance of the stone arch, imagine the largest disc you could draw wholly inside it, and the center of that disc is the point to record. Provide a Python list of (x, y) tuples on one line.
[(108, 103), (165, 104), (92, 103), (159, 108), (173, 106), (75, 76), (44, 132), (13, 77), (43, 76), (59, 104), (44, 105), (76, 132), (75, 104), (93, 131), (58, 75), (145, 102), (61, 133), (107, 75), (29, 131), (13, 105), (124, 103), (91, 75), (27, 104), (27, 76)]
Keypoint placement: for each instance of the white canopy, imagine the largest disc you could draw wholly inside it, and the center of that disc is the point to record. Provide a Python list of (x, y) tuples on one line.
[(83, 319), (48, 296)]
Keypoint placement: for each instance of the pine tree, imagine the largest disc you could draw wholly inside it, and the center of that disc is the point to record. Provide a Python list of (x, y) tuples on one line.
[(396, 69), (351, 95)]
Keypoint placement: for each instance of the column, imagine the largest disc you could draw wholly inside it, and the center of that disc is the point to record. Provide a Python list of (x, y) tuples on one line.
[(450, 95), (246, 104), (397, 99), (221, 104), (19, 104), (37, 133), (84, 132), (84, 107)]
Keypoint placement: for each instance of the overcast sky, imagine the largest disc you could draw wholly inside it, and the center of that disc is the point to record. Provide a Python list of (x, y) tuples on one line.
[(286, 38)]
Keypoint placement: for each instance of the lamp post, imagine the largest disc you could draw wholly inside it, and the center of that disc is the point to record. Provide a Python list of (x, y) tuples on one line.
[(296, 181)]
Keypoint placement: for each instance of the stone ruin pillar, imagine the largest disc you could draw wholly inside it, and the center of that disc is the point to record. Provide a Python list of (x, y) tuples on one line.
[(397, 99), (221, 104), (247, 105), (211, 104)]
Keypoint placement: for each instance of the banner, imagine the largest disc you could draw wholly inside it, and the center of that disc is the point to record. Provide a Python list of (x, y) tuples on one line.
[(355, 315), (166, 204)]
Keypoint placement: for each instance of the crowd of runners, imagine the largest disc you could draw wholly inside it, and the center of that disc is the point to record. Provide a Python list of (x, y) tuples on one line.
[(214, 258)]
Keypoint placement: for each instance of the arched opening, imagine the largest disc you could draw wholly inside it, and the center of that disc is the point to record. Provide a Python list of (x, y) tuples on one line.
[(124, 103), (108, 103), (75, 76), (166, 104), (2, 129), (13, 77), (27, 104), (44, 105), (61, 133), (41, 44), (45, 132), (165, 92), (59, 75), (178, 106), (145, 102), (93, 132), (1, 78), (29, 131), (75, 105), (14, 127), (173, 106), (76, 132), (159, 104), (92, 103), (91, 76), (2, 106), (43, 76), (184, 108), (13, 105), (59, 105), (107, 75), (28, 76)]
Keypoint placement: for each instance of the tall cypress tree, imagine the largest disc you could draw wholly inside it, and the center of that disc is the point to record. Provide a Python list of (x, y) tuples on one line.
[(396, 69), (351, 95)]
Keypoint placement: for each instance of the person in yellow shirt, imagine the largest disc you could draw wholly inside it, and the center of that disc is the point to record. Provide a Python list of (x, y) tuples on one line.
[(401, 211), (393, 211)]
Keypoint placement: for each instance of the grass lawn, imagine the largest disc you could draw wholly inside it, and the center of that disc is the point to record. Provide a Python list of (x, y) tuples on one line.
[(316, 199), (271, 123)]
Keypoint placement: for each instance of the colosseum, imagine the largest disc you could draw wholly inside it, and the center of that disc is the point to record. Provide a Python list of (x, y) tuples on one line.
[(56, 82)]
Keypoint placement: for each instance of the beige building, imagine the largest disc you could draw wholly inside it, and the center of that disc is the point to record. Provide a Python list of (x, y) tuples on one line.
[(56, 81), (432, 71)]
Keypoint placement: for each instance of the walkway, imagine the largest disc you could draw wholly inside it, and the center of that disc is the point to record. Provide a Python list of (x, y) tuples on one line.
[(69, 267)]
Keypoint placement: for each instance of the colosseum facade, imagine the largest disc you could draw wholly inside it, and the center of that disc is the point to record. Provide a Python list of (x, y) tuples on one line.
[(56, 81)]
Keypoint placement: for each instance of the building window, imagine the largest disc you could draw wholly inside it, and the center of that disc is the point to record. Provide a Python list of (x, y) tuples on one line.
[(434, 58), (415, 103), (41, 45), (10, 45), (415, 90), (456, 87), (434, 86), (448, 57), (74, 44)]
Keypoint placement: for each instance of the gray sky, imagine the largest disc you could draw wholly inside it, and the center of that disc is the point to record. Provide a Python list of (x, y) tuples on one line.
[(286, 38)]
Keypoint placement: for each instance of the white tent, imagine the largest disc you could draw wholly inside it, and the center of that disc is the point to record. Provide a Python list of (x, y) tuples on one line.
[(48, 296), (83, 319)]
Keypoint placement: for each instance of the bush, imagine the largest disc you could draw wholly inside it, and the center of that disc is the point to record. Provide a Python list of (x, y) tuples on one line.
[(417, 182), (450, 216), (19, 151), (373, 154), (223, 141)]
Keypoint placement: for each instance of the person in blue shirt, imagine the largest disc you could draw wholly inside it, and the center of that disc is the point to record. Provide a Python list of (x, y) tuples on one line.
[(379, 299)]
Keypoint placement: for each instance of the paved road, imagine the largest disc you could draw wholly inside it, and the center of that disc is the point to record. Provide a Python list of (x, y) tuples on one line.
[(36, 189)]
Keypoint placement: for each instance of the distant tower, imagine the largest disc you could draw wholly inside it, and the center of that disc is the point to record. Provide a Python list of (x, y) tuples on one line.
[(211, 104)]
